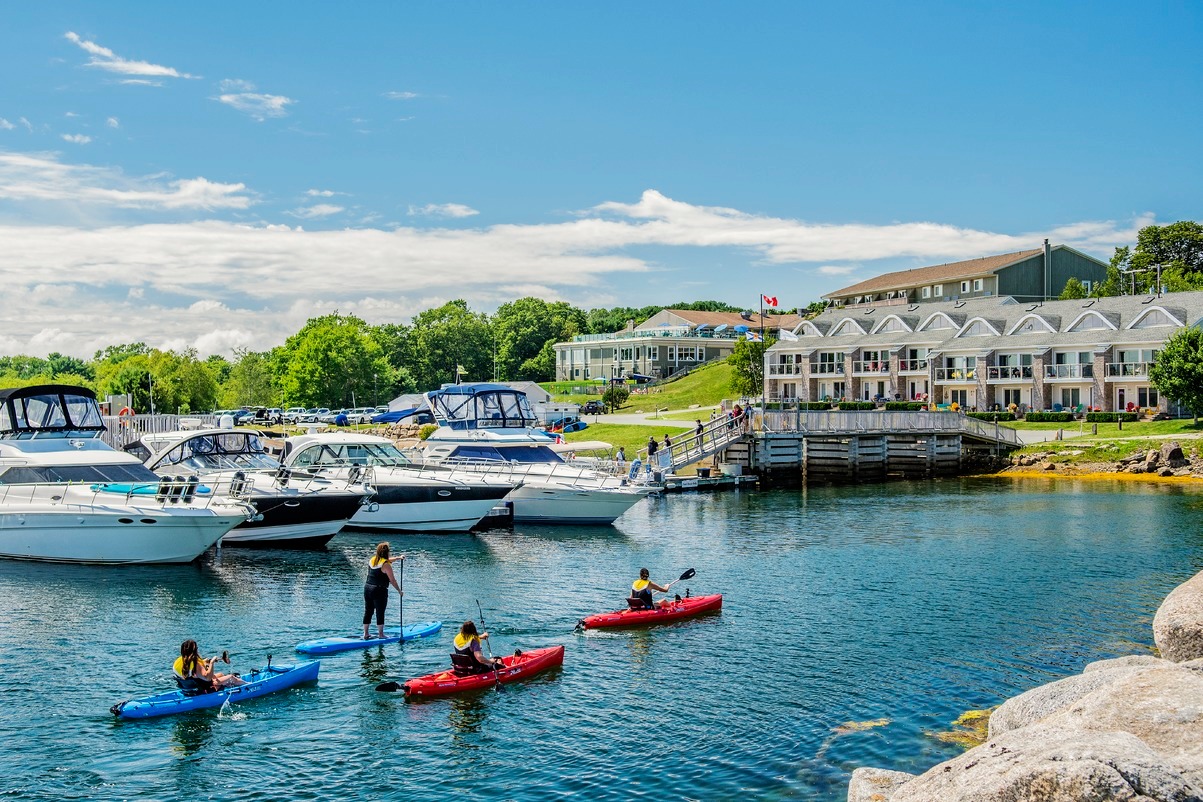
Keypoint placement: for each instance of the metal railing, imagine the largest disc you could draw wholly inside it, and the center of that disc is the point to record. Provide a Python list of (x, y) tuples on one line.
[(827, 368), (1076, 371), (857, 422), (1005, 372), (1118, 369), (122, 431), (912, 365), (692, 447), (871, 366), (956, 374)]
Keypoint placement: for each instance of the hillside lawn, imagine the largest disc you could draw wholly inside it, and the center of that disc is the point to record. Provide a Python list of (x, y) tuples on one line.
[(706, 387), (632, 437)]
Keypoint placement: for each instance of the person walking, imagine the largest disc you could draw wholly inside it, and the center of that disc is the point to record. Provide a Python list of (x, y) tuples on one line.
[(652, 445), (621, 456), (375, 588)]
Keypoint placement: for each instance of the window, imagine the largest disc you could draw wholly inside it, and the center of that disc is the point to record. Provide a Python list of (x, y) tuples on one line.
[(1088, 286), (1012, 397), (977, 285), (1153, 318), (653, 352), (1146, 396), (927, 292), (937, 290), (626, 354), (964, 286)]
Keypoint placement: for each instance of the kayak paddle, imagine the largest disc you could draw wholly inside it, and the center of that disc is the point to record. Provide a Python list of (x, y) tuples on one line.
[(489, 647), (690, 574), (401, 602), (389, 687)]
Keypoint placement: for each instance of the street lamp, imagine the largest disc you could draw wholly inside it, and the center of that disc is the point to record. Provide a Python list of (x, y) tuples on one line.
[(375, 391)]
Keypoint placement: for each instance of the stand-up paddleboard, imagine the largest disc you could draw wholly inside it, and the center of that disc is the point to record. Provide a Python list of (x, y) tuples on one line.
[(392, 635)]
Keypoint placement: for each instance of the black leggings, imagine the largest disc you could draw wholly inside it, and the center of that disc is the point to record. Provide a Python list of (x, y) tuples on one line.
[(375, 597)]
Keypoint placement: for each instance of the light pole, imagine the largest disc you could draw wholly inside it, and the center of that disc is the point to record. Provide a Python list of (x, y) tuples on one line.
[(150, 387), (375, 391)]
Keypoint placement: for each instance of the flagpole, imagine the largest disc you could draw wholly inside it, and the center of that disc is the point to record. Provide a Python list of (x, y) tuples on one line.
[(763, 353)]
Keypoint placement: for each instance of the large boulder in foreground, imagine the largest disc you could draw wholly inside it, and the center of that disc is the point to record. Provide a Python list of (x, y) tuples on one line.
[(1178, 625), (875, 785), (1136, 737)]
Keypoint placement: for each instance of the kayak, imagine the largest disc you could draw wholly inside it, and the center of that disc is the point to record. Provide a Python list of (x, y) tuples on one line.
[(674, 611), (392, 635), (518, 666), (259, 682)]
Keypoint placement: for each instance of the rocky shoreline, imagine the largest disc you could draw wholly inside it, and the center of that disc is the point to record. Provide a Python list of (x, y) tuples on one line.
[(1168, 461), (1128, 729)]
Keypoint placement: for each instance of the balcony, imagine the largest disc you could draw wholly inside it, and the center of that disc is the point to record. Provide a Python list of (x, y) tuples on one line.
[(789, 369), (1128, 370), (912, 366), (956, 375), (1069, 372), (870, 367), (1009, 373), (827, 368)]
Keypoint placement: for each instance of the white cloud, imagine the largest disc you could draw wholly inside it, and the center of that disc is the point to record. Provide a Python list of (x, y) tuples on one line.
[(42, 177), (322, 193), (28, 125), (5, 125), (835, 270), (140, 82), (113, 122), (258, 106), (401, 95), (104, 59), (79, 139), (236, 85), (70, 114), (318, 210), (442, 210)]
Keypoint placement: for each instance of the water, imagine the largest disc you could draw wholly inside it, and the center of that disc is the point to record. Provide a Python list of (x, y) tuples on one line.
[(906, 602)]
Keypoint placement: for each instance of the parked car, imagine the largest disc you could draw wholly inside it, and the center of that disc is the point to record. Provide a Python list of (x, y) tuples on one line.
[(329, 415), (267, 416), (361, 414), (311, 415), (293, 414), (593, 408)]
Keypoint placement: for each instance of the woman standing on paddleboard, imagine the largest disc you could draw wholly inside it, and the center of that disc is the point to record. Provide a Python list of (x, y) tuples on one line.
[(375, 588)]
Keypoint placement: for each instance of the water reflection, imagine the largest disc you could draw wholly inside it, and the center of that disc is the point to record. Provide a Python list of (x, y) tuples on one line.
[(466, 715), (374, 666), (190, 734)]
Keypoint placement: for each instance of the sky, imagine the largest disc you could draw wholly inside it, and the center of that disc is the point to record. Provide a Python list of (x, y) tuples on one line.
[(212, 175)]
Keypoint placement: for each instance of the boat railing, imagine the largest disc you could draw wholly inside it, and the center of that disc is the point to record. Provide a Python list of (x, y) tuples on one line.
[(167, 492)]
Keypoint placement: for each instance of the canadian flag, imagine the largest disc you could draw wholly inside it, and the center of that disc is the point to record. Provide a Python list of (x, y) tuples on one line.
[(770, 301)]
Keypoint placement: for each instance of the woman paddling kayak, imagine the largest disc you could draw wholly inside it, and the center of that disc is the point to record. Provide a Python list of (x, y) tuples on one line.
[(467, 646), (195, 674), (641, 591), (375, 588)]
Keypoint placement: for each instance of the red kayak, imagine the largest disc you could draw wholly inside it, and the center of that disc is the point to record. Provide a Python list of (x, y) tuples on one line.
[(673, 611), (517, 667)]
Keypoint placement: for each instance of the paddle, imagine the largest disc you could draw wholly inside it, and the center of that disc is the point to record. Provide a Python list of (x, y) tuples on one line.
[(489, 647), (690, 574), (401, 602)]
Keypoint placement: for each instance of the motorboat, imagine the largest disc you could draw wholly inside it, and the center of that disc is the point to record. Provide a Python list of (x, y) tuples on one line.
[(293, 510), (491, 429), (66, 496), (407, 497)]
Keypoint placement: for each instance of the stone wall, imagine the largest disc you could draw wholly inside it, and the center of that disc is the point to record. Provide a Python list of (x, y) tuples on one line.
[(1126, 729)]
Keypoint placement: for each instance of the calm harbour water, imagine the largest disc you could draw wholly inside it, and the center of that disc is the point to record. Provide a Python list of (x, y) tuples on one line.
[(911, 602)]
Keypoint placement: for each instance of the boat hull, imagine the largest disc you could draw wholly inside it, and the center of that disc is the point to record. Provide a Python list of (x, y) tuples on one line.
[(517, 667), (395, 635), (260, 682), (306, 520), (686, 608), (432, 507), (549, 503)]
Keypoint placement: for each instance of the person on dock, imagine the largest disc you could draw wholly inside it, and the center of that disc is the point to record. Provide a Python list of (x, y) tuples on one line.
[(195, 674), (641, 591), (467, 644), (668, 444), (652, 445), (621, 456), (375, 588)]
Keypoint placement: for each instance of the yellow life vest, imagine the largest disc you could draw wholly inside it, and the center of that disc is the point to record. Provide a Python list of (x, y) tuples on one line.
[(463, 644), (640, 584), (178, 666), (376, 562)]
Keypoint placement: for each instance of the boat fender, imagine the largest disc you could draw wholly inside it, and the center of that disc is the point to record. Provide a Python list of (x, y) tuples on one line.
[(354, 474), (164, 489), (283, 475), (177, 488), (190, 485), (636, 464)]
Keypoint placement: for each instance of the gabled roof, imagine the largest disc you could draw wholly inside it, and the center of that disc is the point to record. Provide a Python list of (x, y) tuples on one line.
[(732, 319), (935, 274)]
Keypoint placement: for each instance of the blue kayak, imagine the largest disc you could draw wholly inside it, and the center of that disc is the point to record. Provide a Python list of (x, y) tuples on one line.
[(259, 682), (393, 635)]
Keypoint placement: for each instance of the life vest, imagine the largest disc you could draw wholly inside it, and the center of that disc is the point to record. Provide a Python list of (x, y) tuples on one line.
[(463, 645), (640, 590), (640, 584), (178, 666), (376, 577)]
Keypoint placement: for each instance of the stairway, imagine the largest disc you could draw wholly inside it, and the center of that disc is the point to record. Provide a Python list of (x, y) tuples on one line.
[(716, 436)]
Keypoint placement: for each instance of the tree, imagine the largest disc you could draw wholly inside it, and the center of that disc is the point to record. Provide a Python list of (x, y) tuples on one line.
[(522, 329), (250, 382), (1178, 372), (59, 365), (332, 361), (1074, 288), (747, 363), (615, 396), (442, 339)]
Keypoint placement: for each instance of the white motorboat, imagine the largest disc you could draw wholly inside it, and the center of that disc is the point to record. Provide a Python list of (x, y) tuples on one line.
[(491, 429), (408, 497), (66, 496), (294, 510)]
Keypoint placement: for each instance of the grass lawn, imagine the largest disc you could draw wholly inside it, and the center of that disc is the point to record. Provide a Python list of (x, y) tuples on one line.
[(631, 437), (1112, 430), (1110, 443)]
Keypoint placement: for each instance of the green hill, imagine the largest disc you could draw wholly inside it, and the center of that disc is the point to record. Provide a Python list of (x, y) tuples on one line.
[(706, 387)]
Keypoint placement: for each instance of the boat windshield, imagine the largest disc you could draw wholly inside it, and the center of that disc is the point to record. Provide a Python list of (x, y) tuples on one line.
[(218, 452), (524, 454), (60, 474), (492, 408), (58, 413), (384, 455)]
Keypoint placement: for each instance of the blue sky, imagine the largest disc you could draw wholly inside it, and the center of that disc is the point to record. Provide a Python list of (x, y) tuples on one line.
[(212, 176)]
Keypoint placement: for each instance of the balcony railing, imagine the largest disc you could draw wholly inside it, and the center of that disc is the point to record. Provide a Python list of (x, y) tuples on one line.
[(826, 368), (1069, 371), (1009, 372), (789, 369), (956, 374), (872, 366), (1122, 369), (912, 366)]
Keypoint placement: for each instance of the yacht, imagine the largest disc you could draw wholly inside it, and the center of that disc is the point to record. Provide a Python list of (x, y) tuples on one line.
[(66, 496), (293, 510), (408, 497), (491, 429)]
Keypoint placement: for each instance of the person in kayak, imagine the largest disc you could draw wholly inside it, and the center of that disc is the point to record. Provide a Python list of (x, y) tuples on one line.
[(641, 591), (375, 588), (195, 674), (467, 644)]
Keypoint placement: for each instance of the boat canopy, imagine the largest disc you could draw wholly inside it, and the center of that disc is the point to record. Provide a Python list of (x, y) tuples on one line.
[(49, 410), (481, 406), (216, 451)]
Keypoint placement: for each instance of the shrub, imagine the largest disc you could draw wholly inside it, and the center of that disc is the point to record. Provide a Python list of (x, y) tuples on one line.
[(615, 396), (992, 416), (427, 430), (857, 405), (815, 406), (904, 406), (1111, 417), (1049, 417)]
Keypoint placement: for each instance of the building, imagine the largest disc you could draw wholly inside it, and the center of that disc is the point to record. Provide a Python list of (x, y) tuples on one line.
[(984, 351), (1034, 275), (669, 342)]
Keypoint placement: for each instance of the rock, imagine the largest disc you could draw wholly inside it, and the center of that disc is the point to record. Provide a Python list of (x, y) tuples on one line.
[(1138, 456), (1178, 625), (1171, 454), (1127, 661), (1152, 458), (875, 785), (1047, 466), (1137, 468), (1167, 471), (1137, 736)]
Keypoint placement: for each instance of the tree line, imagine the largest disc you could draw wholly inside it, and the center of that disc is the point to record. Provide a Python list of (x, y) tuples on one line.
[(1172, 253)]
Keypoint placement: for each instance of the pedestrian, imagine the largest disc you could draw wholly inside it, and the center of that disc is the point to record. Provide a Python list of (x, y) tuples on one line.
[(621, 456), (667, 443), (651, 448), (698, 429)]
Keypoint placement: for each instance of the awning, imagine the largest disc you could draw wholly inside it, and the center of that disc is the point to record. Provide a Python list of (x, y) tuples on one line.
[(581, 445)]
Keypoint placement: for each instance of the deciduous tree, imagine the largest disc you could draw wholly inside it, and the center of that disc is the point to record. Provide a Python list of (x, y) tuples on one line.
[(1178, 372)]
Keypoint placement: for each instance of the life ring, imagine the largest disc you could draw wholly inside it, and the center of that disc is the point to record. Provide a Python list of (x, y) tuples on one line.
[(125, 416)]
